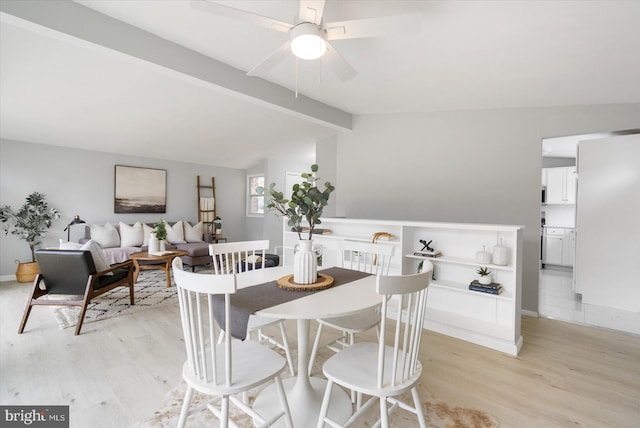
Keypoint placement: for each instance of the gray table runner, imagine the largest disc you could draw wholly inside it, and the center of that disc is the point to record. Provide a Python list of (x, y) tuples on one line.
[(251, 299)]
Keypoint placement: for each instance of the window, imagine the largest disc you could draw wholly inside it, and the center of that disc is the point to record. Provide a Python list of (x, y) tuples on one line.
[(255, 195)]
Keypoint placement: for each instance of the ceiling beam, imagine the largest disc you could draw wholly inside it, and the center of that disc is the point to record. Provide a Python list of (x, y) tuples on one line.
[(72, 19)]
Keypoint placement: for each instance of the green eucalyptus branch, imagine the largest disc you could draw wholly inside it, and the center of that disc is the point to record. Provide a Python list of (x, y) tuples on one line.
[(307, 202)]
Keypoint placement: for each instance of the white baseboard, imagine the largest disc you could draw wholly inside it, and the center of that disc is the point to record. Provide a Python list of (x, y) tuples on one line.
[(4, 278), (526, 313)]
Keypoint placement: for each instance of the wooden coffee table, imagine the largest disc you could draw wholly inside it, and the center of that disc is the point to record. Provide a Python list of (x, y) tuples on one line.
[(163, 262)]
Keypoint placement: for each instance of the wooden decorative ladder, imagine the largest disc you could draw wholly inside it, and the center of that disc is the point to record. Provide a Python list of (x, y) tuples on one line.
[(207, 205)]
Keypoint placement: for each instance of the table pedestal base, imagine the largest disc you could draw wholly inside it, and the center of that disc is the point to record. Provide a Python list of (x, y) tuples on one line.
[(304, 401)]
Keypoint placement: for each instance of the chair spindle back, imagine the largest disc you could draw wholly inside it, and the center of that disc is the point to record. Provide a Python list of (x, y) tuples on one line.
[(406, 298), (238, 256), (366, 257), (195, 295)]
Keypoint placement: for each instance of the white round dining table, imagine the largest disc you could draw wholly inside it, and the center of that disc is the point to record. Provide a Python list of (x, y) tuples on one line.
[(305, 392)]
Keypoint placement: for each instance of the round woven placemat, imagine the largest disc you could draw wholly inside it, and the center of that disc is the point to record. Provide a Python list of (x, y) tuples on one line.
[(324, 281)]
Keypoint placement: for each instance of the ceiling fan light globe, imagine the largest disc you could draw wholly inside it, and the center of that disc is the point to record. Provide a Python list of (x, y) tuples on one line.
[(307, 41), (308, 46)]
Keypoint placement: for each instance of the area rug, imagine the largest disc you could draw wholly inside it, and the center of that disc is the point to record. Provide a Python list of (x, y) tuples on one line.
[(438, 413), (150, 291)]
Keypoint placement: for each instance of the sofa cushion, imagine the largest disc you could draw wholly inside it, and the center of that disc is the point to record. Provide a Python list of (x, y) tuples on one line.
[(175, 233), (167, 247), (131, 236), (195, 249), (107, 236), (146, 233), (193, 233)]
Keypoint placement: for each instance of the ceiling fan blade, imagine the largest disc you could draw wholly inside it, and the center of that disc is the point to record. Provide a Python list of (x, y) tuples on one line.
[(272, 60), (337, 64), (373, 27), (311, 11), (230, 12)]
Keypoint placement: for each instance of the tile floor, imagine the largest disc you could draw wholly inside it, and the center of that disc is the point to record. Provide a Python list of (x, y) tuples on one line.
[(558, 301)]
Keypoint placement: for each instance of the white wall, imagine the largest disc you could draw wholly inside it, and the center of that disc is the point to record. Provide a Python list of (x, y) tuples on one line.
[(608, 223), (82, 182), (466, 166)]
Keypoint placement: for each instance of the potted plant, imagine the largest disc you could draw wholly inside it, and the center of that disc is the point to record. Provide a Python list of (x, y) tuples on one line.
[(306, 204), (30, 223), (485, 275), (160, 232), (217, 224)]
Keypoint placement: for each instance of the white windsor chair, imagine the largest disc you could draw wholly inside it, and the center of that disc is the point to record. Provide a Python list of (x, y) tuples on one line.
[(377, 369), (240, 257), (221, 370), (365, 257)]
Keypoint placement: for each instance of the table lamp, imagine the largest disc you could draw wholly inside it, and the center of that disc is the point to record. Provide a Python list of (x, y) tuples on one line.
[(76, 220)]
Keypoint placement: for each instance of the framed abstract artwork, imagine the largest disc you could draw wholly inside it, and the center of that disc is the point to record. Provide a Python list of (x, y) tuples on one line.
[(140, 190)]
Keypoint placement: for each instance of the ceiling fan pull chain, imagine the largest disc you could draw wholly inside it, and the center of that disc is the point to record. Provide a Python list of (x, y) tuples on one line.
[(296, 60)]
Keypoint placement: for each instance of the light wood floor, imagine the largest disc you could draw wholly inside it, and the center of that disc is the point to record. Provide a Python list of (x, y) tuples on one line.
[(118, 371)]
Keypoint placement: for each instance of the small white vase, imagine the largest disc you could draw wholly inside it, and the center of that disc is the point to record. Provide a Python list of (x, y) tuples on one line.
[(305, 269), (161, 245), (153, 244)]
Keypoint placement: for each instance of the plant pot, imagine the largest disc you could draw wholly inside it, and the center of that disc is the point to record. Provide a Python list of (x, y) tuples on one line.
[(27, 272), (305, 268), (486, 280)]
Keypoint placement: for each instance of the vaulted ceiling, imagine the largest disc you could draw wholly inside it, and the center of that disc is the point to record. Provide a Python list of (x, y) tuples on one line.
[(162, 78)]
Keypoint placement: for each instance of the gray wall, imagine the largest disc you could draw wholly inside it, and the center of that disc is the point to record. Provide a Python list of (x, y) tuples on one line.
[(81, 182), (276, 172), (466, 166)]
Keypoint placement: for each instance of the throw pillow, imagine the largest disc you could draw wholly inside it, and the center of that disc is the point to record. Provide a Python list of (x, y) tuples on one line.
[(193, 233), (146, 232), (107, 235), (175, 233), (131, 236), (99, 259)]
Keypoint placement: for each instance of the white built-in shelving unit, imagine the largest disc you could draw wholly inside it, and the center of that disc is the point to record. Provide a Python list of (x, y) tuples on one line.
[(452, 309)]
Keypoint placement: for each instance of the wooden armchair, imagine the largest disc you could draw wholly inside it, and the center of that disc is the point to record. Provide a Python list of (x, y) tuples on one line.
[(72, 273)]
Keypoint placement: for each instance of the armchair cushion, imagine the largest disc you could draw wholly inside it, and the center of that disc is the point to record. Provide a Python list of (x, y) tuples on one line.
[(110, 278)]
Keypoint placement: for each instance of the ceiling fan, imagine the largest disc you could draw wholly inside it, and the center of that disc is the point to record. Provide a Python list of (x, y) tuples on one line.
[(309, 36)]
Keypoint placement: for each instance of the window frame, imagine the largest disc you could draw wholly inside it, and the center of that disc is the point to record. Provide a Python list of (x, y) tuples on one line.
[(250, 196)]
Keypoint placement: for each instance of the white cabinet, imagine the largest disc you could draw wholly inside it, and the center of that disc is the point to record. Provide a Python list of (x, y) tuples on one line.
[(558, 246), (552, 252), (569, 247), (452, 309), (561, 185)]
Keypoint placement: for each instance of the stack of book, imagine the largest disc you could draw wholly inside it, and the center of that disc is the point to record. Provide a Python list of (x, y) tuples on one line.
[(493, 288), (316, 231), (426, 253)]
